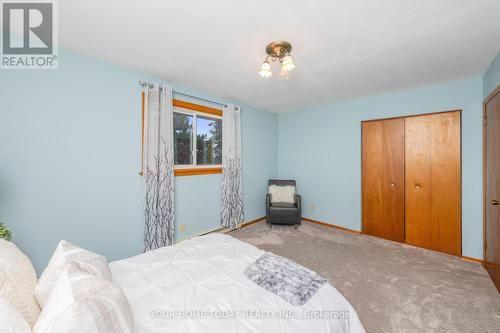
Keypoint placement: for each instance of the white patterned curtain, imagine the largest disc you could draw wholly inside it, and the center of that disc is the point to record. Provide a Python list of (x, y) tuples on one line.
[(158, 167), (232, 183)]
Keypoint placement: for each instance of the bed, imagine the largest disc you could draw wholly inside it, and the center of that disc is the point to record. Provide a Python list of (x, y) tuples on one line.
[(199, 286)]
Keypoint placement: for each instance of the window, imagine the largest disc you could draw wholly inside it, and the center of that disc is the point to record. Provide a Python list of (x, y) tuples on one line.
[(183, 139), (197, 139), (208, 141)]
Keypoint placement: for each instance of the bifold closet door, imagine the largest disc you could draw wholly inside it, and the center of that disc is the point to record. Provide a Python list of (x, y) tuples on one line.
[(433, 181), (383, 178), (492, 188)]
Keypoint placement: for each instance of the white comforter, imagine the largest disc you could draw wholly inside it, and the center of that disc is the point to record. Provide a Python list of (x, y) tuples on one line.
[(198, 286)]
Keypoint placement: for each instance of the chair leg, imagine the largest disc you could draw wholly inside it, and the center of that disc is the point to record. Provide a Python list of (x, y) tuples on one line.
[(269, 225), (296, 226)]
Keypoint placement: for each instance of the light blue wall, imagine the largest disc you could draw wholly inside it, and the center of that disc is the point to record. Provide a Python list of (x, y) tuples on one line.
[(260, 159), (70, 156), (321, 148), (491, 78)]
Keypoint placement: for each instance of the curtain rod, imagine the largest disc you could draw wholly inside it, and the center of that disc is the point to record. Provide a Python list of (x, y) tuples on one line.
[(188, 95)]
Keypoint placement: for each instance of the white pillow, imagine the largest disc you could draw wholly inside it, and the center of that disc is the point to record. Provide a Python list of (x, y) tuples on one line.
[(18, 280), (83, 302), (65, 253), (11, 321), (282, 193)]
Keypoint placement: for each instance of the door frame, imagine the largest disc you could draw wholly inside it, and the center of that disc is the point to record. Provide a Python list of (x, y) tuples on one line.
[(493, 94), (416, 115), (461, 171)]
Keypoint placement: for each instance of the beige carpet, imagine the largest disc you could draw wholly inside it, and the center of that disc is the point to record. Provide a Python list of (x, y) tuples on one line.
[(392, 286)]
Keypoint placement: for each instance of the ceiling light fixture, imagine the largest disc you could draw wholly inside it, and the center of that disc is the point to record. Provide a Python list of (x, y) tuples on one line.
[(279, 50)]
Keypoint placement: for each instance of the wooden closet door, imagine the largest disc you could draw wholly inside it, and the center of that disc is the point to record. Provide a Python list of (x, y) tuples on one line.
[(383, 178), (433, 182), (492, 189)]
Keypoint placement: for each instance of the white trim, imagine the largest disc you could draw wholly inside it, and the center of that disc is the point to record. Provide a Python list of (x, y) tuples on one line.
[(221, 229), (203, 233), (193, 141), (199, 166), (193, 112)]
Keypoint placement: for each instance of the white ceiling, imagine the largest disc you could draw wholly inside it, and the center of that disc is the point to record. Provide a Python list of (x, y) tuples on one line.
[(342, 48)]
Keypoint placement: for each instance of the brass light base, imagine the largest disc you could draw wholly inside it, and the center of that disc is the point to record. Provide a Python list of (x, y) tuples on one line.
[(278, 49)]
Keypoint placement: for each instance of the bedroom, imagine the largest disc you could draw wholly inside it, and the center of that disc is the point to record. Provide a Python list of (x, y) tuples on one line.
[(74, 156)]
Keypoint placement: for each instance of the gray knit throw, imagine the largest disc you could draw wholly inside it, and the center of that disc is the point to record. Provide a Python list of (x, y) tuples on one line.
[(285, 278)]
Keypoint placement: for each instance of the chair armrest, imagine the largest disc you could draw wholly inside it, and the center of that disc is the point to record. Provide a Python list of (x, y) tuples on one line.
[(298, 199), (298, 202), (268, 206)]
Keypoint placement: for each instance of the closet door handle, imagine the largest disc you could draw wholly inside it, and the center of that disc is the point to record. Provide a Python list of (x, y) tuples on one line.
[(495, 202), (392, 184), (418, 186)]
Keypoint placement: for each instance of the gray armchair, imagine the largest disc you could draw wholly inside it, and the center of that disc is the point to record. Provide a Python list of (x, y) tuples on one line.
[(283, 212)]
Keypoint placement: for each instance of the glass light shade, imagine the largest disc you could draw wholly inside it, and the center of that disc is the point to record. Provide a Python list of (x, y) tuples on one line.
[(284, 74), (265, 70), (287, 64)]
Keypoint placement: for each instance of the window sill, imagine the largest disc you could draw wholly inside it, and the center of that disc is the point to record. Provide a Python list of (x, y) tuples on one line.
[(197, 171)]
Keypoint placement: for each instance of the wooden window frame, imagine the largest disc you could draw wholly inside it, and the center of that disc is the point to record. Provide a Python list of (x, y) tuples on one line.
[(193, 110)]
